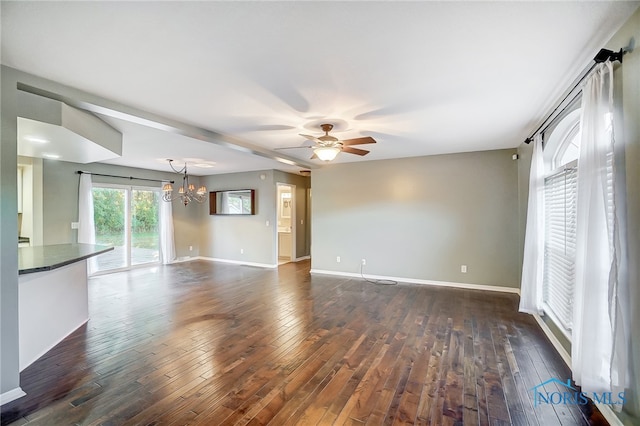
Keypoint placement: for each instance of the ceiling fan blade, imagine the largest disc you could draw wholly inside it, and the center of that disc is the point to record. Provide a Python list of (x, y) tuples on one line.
[(311, 138), (358, 141), (356, 151), (293, 147)]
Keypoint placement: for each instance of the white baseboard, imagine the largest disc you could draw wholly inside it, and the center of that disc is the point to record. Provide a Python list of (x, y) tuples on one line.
[(423, 282), (606, 410), (238, 262), (11, 395), (298, 259), (610, 415), (566, 357), (184, 259)]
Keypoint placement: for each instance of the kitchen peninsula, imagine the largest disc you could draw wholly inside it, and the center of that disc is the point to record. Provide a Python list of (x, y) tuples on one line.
[(53, 296)]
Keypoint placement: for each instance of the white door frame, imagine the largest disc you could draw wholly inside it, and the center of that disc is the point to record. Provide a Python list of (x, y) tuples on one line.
[(293, 221), (128, 217)]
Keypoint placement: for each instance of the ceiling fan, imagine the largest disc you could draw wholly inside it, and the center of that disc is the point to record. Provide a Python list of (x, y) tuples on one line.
[(327, 147)]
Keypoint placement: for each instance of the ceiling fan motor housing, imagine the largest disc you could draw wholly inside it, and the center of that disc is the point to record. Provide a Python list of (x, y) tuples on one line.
[(331, 140), (326, 127), (328, 143)]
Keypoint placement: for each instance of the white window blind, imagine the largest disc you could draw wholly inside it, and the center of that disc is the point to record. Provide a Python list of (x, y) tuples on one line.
[(610, 190), (560, 244)]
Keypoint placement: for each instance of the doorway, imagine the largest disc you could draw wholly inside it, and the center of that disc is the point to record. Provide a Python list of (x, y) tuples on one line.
[(30, 221), (286, 220), (126, 218)]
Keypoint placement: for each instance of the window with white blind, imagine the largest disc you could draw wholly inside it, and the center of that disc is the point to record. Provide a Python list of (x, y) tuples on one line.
[(560, 199), (562, 148), (610, 198), (560, 243)]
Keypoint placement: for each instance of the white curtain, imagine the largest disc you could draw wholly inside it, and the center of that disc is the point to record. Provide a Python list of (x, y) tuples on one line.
[(167, 242), (86, 227), (533, 261), (600, 340)]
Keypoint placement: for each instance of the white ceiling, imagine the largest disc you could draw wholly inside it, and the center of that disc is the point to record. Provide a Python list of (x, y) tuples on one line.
[(422, 78), (44, 140)]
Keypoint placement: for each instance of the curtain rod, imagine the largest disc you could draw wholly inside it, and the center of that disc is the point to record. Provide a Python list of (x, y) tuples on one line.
[(602, 56), (123, 177)]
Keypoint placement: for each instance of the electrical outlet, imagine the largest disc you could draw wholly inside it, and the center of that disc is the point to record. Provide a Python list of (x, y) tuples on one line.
[(75, 225), (301, 222), (338, 259), (266, 223), (463, 269), (190, 248), (241, 251), (364, 262)]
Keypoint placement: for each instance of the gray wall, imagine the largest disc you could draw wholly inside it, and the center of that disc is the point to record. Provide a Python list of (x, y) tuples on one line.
[(420, 218), (222, 237), (14, 104), (9, 368), (60, 200)]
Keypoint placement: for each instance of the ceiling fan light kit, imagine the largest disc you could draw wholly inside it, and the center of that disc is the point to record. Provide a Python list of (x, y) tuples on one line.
[(326, 153), (327, 147)]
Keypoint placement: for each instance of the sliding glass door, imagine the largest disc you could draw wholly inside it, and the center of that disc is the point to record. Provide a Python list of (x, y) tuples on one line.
[(127, 219), (110, 207), (145, 235)]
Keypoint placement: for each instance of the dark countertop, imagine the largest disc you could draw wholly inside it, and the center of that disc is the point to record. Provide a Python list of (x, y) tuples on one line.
[(46, 258)]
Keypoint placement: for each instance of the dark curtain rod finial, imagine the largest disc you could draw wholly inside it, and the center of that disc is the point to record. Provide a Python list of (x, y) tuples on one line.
[(602, 56), (605, 54)]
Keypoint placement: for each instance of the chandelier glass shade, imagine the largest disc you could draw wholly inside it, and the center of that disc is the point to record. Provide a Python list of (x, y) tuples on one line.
[(326, 153), (186, 192)]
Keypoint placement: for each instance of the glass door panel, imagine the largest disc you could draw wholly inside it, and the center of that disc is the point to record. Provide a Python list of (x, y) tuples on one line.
[(110, 216), (145, 237)]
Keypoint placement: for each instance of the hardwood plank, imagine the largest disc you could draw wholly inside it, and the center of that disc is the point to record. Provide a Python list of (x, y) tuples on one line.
[(208, 343), (436, 335), (543, 413), (470, 393), (377, 392), (362, 392)]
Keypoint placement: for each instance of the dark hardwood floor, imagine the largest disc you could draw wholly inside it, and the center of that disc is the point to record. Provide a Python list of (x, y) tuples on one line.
[(214, 344)]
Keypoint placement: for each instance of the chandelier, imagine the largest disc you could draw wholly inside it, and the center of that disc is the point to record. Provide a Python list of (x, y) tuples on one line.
[(187, 192)]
